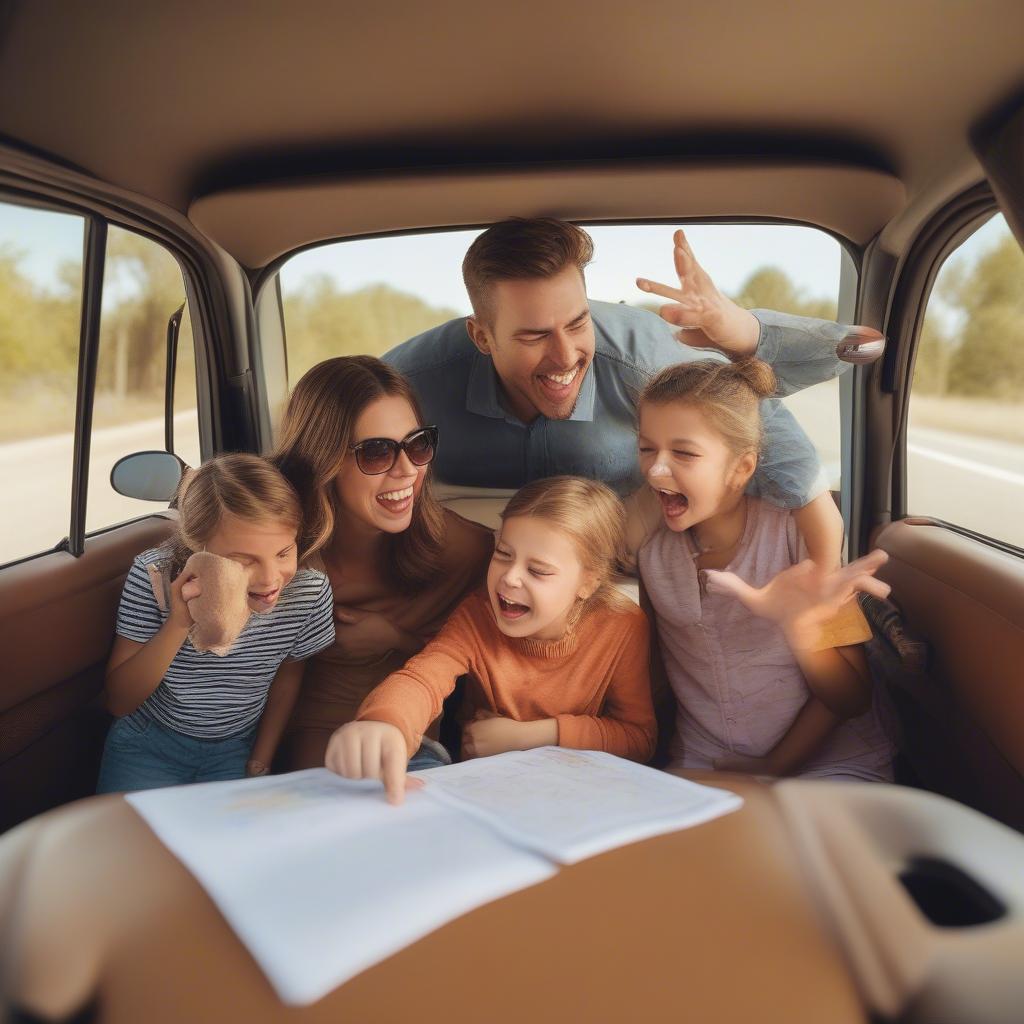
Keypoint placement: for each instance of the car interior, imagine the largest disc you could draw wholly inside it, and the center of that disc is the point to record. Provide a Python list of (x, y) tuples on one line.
[(233, 137)]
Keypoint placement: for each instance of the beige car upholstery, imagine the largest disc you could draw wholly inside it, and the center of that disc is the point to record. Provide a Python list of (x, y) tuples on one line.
[(709, 924), (57, 615), (788, 910), (963, 720)]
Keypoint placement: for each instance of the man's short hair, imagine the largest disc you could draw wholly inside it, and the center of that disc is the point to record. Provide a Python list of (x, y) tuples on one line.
[(520, 249)]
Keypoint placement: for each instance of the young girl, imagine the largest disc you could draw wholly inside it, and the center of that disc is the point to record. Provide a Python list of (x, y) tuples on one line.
[(756, 685), (185, 716), (555, 655)]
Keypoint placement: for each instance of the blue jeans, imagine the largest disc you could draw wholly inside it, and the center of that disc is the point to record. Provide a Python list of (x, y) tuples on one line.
[(430, 755), (142, 754)]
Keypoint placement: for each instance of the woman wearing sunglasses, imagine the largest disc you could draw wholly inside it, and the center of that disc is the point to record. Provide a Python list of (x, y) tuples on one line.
[(354, 445)]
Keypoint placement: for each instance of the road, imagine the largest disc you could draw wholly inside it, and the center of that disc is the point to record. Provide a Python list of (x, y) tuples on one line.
[(36, 499), (975, 482)]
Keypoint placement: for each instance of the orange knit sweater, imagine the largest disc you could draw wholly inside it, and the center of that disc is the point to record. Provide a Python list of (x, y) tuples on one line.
[(594, 680)]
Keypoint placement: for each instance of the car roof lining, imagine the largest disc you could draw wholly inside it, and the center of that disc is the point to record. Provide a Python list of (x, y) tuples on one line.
[(260, 224), (193, 111)]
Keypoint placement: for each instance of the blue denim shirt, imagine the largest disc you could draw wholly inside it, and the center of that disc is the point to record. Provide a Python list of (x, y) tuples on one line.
[(483, 445)]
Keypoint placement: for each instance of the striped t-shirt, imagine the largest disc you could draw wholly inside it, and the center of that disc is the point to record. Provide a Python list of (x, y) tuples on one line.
[(210, 697)]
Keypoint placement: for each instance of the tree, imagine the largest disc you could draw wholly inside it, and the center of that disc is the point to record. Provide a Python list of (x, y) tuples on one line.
[(771, 288), (322, 321), (989, 361)]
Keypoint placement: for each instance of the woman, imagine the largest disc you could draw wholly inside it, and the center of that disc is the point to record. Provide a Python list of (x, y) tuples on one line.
[(354, 445)]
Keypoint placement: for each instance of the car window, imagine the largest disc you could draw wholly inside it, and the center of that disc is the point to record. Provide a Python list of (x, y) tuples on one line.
[(142, 289), (40, 323), (368, 295), (965, 427)]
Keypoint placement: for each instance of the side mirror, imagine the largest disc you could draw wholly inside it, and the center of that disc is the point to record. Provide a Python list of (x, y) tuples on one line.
[(151, 476), (861, 345)]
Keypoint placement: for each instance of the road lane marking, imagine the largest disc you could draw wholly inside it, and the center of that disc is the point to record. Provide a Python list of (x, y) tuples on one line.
[(1006, 475)]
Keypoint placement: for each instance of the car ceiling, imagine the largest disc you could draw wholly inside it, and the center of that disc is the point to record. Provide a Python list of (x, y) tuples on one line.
[(195, 106)]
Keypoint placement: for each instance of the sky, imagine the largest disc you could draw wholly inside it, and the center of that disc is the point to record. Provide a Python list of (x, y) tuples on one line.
[(428, 265)]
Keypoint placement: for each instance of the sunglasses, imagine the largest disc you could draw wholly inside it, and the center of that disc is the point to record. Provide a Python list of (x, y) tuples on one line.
[(377, 455)]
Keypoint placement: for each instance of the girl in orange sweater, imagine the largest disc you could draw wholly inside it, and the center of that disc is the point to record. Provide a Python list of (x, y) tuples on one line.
[(554, 654)]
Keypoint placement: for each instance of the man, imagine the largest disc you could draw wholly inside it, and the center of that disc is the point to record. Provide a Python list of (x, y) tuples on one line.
[(539, 381)]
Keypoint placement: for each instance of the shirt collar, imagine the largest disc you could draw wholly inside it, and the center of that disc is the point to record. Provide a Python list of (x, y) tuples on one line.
[(483, 394)]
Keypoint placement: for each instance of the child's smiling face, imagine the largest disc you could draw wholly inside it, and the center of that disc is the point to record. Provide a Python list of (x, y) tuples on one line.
[(535, 579), (688, 464), (266, 550)]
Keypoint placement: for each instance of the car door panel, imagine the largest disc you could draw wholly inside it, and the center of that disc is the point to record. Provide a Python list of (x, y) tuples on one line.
[(57, 616), (964, 719)]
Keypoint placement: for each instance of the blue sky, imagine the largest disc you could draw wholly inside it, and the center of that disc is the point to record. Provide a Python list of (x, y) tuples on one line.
[(429, 265)]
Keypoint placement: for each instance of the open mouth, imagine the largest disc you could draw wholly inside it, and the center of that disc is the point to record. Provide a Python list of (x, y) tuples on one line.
[(559, 385), (395, 502), (673, 504), (264, 598), (510, 609)]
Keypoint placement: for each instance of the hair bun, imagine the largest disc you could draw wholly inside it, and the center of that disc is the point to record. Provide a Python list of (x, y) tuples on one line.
[(758, 375)]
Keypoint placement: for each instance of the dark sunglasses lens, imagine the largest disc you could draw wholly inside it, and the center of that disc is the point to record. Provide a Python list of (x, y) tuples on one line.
[(376, 456), (420, 448)]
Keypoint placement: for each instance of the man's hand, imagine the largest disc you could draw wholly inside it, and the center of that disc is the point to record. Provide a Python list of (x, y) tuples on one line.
[(365, 635), (800, 599), (708, 317), (492, 734), (371, 750)]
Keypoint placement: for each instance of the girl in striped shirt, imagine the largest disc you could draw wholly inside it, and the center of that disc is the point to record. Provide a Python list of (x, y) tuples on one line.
[(187, 716)]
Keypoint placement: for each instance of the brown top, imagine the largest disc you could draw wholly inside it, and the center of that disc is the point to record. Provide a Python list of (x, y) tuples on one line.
[(594, 680), (335, 684)]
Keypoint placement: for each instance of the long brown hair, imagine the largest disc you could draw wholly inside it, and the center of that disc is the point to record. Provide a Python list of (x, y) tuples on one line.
[(315, 435), (592, 517), (244, 485)]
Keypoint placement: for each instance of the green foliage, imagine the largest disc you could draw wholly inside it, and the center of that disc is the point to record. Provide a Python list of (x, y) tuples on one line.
[(989, 359), (771, 288), (322, 321), (147, 289), (39, 330), (934, 355)]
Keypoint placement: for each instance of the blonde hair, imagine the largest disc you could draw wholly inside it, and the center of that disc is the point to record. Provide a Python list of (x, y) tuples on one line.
[(729, 394), (244, 485), (591, 515), (315, 436)]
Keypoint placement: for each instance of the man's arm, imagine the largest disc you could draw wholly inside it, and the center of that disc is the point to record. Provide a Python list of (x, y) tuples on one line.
[(801, 350)]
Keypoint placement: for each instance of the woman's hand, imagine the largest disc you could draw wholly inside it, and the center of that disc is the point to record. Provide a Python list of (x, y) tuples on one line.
[(492, 734), (371, 750), (365, 635), (802, 598), (699, 307)]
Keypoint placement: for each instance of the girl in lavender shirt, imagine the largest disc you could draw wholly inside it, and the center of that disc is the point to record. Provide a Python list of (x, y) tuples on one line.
[(764, 660)]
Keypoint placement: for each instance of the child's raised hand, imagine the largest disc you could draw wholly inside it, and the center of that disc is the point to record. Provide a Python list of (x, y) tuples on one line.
[(371, 750), (804, 596), (185, 587)]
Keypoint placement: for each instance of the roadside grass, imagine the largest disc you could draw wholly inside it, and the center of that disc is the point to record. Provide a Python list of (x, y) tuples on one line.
[(41, 413), (975, 417)]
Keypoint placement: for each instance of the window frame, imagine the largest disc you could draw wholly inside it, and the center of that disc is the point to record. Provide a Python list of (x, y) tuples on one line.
[(938, 240), (95, 231), (269, 306)]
